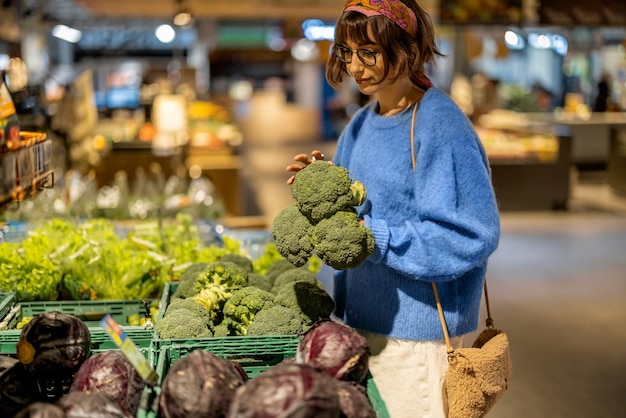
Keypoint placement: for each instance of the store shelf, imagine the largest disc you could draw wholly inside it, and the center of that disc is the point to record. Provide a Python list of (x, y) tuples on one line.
[(530, 166)]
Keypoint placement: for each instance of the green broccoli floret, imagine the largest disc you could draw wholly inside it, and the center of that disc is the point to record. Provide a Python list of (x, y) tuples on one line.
[(320, 189), (182, 323), (278, 267), (292, 232), (300, 274), (244, 304), (188, 305), (187, 280), (260, 281), (229, 328), (278, 320), (216, 283), (239, 259), (341, 241), (308, 298)]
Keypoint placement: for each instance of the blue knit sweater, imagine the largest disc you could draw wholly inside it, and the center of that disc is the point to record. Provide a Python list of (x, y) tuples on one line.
[(438, 223)]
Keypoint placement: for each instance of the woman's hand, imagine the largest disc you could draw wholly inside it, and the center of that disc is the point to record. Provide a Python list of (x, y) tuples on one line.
[(302, 160)]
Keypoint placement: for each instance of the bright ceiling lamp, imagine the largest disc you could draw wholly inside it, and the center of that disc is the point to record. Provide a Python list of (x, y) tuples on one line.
[(66, 33), (183, 17), (165, 34)]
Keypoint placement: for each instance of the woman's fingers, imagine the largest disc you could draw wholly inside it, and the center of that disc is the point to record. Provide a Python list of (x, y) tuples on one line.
[(317, 155), (302, 160)]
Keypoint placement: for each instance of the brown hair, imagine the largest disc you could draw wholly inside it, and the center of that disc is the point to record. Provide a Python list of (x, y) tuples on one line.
[(406, 53)]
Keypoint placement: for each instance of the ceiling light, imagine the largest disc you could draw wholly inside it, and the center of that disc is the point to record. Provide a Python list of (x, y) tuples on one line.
[(182, 19), (165, 34), (66, 33), (183, 16)]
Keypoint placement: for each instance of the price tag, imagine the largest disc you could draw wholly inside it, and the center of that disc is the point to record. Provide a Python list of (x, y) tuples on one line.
[(130, 350)]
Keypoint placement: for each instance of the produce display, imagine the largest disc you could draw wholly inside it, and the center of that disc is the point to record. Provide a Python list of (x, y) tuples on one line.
[(506, 146), (217, 299), (209, 295), (60, 259), (55, 373), (323, 220)]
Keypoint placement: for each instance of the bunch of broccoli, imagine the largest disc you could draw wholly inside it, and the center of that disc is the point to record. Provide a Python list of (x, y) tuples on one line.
[(323, 219), (292, 300)]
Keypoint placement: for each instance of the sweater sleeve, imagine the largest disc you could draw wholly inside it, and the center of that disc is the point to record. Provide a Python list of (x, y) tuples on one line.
[(456, 224)]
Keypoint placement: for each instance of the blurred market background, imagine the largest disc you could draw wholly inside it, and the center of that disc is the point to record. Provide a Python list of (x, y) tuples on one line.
[(154, 109)]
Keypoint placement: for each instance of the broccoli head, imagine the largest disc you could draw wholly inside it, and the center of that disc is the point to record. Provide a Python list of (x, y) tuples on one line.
[(312, 301), (292, 233), (216, 283), (278, 320), (244, 304), (260, 281), (229, 328), (276, 268), (295, 275), (341, 241), (187, 280), (188, 305), (239, 259), (182, 323), (320, 189)]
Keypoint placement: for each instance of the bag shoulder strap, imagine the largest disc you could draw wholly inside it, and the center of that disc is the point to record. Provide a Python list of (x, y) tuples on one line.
[(442, 319), (489, 321)]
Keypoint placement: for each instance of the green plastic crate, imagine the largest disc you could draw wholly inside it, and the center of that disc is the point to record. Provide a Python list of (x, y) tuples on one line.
[(90, 311), (254, 354), (100, 340), (253, 357), (7, 300)]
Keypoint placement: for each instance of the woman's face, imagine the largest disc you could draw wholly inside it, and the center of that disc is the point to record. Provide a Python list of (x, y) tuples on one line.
[(369, 78)]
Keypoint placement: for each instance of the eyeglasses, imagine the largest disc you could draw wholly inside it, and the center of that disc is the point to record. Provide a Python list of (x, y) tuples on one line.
[(367, 57)]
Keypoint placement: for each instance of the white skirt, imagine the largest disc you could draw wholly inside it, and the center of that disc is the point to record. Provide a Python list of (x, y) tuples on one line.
[(410, 375)]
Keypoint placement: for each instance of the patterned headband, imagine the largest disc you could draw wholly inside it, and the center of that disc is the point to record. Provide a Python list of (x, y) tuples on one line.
[(395, 10)]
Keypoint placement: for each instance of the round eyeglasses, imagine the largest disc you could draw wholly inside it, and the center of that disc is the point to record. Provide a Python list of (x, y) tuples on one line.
[(366, 56)]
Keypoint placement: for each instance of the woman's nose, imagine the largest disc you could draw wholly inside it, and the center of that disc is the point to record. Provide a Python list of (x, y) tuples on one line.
[(355, 65)]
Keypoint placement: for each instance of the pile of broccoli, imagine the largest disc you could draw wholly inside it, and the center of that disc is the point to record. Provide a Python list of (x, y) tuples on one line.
[(323, 220), (217, 299)]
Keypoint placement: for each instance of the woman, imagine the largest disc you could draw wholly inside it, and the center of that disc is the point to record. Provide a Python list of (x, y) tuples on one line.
[(430, 204)]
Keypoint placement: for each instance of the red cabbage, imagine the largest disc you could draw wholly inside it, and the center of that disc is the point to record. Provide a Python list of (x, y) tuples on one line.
[(97, 404), (336, 349), (287, 390), (111, 372), (353, 400), (53, 345), (18, 389), (201, 384), (41, 410)]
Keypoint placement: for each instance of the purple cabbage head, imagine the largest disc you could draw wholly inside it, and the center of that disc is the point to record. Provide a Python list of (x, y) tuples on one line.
[(111, 372), (201, 384), (96, 404), (336, 349), (41, 410), (353, 400), (287, 390)]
